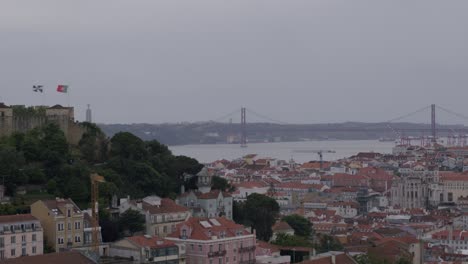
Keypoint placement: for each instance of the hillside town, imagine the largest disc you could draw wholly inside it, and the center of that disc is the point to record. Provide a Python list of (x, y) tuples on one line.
[(410, 206)]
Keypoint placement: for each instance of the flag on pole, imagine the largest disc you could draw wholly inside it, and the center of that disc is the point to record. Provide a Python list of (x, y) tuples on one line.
[(62, 88), (38, 88)]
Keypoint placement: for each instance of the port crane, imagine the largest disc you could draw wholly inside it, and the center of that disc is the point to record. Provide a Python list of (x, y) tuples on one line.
[(318, 152)]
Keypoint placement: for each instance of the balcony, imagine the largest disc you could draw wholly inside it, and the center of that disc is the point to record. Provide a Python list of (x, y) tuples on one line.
[(247, 249), (220, 253)]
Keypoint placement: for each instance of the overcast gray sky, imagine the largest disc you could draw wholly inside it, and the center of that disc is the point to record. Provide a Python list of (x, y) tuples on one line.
[(193, 60)]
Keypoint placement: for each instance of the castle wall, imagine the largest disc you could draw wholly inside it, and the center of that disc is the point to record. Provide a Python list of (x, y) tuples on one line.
[(10, 124)]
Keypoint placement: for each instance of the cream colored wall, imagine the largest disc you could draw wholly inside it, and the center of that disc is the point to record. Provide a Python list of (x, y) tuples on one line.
[(40, 211)]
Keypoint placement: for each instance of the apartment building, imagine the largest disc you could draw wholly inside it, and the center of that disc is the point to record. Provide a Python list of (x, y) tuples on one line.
[(62, 222), (215, 241), (206, 202), (20, 235), (147, 249), (161, 214)]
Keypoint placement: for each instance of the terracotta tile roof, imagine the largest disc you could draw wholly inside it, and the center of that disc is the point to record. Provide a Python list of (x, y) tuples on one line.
[(453, 176), (196, 230), (456, 235), (315, 165), (58, 203), (262, 245), (151, 242), (282, 226), (70, 257), (251, 184), (17, 218), (298, 185), (167, 206)]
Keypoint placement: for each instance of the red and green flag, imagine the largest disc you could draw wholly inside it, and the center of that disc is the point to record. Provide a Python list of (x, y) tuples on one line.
[(62, 88)]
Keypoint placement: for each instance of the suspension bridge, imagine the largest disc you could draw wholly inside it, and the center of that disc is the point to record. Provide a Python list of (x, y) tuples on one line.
[(425, 133)]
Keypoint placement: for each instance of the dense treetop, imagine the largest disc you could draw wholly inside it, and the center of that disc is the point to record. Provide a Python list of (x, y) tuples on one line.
[(131, 166)]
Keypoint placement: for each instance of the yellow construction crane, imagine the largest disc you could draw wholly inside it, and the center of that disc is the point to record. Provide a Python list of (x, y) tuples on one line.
[(95, 180)]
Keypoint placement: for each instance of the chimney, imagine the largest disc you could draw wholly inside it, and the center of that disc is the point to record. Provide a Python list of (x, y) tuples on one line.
[(333, 258)]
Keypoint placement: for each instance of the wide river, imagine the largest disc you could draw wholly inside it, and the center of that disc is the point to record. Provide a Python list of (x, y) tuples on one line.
[(283, 150)]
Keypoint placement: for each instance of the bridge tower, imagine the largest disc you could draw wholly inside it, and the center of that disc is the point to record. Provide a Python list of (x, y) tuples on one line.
[(433, 123), (243, 128)]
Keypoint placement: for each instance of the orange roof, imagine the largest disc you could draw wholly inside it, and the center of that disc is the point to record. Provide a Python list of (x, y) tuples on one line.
[(453, 176), (167, 206), (251, 184), (204, 228), (17, 218), (152, 242), (281, 226)]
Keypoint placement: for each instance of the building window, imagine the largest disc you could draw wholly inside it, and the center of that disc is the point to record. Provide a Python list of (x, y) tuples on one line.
[(165, 229), (34, 237), (34, 250), (13, 252), (69, 213), (23, 238), (184, 233), (69, 226), (450, 197), (200, 248), (23, 252), (211, 248), (2, 242), (13, 239), (60, 240), (2, 254), (77, 239), (77, 225), (60, 227)]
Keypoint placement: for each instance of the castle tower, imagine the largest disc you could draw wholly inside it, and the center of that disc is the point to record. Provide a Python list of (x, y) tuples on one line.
[(88, 115), (204, 181), (6, 120)]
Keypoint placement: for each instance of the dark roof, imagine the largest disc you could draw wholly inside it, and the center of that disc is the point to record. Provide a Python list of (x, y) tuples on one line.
[(167, 206), (71, 257), (17, 218), (2, 105), (58, 204), (57, 106)]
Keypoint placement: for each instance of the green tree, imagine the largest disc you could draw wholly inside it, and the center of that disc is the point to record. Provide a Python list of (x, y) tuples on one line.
[(261, 212), (218, 183), (328, 243), (131, 221), (128, 146), (52, 186), (291, 241), (300, 224)]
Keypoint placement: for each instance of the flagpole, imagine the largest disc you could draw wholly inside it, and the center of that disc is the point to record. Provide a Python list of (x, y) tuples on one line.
[(43, 97)]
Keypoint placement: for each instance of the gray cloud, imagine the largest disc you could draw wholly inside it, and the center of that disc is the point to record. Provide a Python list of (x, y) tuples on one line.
[(297, 61)]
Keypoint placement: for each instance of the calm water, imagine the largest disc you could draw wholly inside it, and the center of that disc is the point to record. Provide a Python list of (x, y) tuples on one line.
[(283, 150)]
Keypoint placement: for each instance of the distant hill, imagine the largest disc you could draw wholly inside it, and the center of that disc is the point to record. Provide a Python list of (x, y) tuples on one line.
[(212, 132)]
